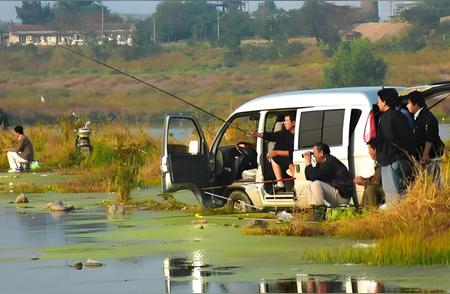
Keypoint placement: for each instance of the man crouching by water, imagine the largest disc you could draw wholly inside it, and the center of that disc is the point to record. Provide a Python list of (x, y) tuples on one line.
[(330, 181), (24, 153)]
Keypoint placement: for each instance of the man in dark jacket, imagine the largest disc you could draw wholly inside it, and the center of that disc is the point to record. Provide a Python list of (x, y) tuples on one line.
[(430, 147), (330, 181), (395, 144), (24, 153), (281, 155)]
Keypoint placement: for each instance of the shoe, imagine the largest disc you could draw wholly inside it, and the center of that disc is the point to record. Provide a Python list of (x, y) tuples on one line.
[(16, 170), (279, 188)]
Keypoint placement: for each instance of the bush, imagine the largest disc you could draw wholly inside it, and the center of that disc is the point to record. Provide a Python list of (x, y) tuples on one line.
[(355, 64), (139, 51), (410, 41), (271, 52), (232, 56), (130, 154)]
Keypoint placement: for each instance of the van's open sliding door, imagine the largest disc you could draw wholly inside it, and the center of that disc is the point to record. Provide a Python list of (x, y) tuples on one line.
[(185, 155)]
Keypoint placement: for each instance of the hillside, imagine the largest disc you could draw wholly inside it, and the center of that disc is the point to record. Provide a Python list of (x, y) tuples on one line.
[(71, 84), (375, 31)]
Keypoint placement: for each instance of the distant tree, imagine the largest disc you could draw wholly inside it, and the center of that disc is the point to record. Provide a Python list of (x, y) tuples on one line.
[(172, 23), (178, 20), (33, 12), (264, 19), (323, 21), (355, 64), (234, 26), (81, 16), (427, 12), (203, 19)]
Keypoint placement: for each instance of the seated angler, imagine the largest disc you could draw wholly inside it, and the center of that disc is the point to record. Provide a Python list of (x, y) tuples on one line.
[(24, 153), (329, 181), (281, 156), (373, 191)]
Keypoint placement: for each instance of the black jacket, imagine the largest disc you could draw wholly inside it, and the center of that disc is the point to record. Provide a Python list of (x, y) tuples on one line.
[(427, 130), (334, 173), (284, 140), (395, 137)]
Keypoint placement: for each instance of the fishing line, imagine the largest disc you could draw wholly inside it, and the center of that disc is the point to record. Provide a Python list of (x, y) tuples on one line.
[(148, 84)]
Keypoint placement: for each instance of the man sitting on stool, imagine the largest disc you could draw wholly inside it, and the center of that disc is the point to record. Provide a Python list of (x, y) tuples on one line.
[(24, 153), (373, 191), (330, 182)]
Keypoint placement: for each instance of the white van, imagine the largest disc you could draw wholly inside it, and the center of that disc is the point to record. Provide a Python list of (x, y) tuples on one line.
[(236, 169)]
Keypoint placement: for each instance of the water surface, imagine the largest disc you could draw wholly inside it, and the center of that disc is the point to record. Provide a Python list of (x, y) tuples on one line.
[(164, 252)]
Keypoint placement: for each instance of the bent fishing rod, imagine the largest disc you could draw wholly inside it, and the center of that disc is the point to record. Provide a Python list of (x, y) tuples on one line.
[(149, 85)]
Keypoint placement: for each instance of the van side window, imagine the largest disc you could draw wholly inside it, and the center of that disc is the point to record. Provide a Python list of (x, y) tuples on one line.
[(183, 137), (321, 126)]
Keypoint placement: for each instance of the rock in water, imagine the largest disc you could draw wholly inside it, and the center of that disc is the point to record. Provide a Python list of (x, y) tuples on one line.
[(59, 206), (93, 263), (21, 198), (114, 209), (78, 265)]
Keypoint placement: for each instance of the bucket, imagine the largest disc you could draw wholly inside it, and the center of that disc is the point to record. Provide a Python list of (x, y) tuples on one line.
[(34, 165)]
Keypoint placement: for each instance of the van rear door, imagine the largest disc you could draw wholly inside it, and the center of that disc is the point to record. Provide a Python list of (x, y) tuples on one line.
[(185, 155)]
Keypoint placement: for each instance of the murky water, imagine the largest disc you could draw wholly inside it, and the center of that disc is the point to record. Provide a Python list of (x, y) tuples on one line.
[(163, 252)]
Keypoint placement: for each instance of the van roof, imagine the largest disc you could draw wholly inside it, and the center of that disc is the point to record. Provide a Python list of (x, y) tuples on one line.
[(362, 96)]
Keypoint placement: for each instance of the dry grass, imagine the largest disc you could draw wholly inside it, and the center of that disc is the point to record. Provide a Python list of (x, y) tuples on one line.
[(425, 209), (415, 232)]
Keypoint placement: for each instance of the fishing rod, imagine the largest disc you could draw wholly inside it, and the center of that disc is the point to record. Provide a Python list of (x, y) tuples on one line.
[(148, 84), (260, 182)]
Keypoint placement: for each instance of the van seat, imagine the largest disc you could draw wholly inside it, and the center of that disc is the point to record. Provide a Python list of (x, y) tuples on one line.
[(277, 127), (249, 174)]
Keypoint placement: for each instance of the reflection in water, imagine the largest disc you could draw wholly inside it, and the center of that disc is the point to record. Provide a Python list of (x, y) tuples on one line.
[(332, 284), (194, 268), (197, 270)]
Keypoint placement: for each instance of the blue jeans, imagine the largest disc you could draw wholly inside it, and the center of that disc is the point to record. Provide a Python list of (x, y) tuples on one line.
[(393, 179)]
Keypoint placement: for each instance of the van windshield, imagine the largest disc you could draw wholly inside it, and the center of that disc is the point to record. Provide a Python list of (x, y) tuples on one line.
[(247, 123)]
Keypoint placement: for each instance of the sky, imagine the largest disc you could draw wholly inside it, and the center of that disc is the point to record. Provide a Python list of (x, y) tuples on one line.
[(8, 12)]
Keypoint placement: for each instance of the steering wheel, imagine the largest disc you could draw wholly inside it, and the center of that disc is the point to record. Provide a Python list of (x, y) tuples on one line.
[(245, 148), (248, 152)]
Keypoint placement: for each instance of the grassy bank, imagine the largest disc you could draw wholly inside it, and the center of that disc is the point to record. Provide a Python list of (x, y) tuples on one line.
[(122, 157), (414, 232)]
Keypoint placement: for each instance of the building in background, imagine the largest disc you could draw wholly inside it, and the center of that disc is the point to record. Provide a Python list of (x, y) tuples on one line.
[(40, 35)]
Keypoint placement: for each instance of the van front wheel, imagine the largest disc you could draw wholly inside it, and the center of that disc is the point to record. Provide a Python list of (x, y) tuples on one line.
[(237, 201)]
